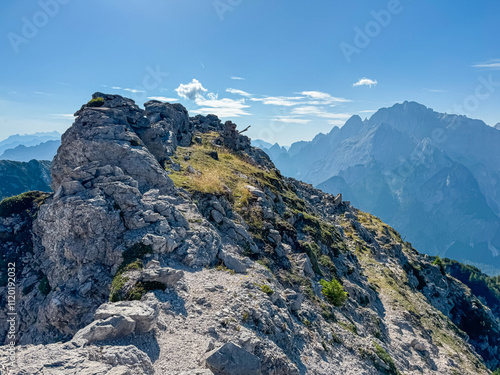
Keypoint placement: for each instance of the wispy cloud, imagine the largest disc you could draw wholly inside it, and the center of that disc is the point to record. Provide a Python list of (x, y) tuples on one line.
[(490, 64), (368, 111), (323, 97), (63, 116), (305, 98), (319, 112), (239, 92), (291, 120), (162, 98), (191, 90), (237, 78), (436, 90), (42, 93), (365, 82), (222, 107), (286, 101), (133, 91)]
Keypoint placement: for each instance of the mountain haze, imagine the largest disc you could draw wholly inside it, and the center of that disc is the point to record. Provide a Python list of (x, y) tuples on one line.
[(435, 177)]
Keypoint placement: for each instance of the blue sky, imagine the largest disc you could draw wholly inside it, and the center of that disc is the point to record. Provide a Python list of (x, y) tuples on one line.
[(289, 68)]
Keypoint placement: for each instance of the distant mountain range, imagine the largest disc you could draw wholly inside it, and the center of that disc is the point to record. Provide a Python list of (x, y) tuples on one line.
[(435, 177), (18, 177), (39, 146), (43, 151)]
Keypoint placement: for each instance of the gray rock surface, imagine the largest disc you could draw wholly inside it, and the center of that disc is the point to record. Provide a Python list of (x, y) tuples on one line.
[(231, 359), (110, 328), (144, 316)]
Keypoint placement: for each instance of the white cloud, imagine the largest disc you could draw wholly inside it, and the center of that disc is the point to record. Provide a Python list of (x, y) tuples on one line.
[(63, 116), (306, 98), (291, 120), (368, 111), (133, 91), (365, 82), (191, 90), (490, 64), (239, 92), (322, 97), (436, 90), (222, 107), (287, 101), (162, 98), (237, 78), (319, 112)]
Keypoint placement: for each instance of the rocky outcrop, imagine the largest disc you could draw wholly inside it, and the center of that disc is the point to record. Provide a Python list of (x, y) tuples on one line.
[(153, 256), (110, 194)]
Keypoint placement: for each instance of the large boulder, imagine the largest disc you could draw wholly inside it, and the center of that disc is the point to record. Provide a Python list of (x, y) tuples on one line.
[(106, 329), (231, 359), (144, 316)]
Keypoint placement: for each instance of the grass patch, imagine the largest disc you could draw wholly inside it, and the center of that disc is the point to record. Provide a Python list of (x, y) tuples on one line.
[(21, 203), (96, 102)]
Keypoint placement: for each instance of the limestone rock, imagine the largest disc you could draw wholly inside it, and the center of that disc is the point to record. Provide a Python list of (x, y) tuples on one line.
[(109, 328), (231, 359), (144, 316)]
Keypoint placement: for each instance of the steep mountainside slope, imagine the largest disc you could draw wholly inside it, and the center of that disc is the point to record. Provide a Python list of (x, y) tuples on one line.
[(18, 177), (171, 246)]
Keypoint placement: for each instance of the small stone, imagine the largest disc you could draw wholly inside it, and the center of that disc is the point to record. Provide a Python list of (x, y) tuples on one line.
[(214, 155), (217, 216)]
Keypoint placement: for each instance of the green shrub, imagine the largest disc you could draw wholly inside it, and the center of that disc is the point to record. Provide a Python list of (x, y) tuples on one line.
[(44, 286), (96, 102), (334, 292), (132, 260), (141, 288), (384, 356), (438, 261), (267, 289)]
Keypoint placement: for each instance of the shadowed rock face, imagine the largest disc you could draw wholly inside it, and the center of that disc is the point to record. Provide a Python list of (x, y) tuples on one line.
[(121, 262)]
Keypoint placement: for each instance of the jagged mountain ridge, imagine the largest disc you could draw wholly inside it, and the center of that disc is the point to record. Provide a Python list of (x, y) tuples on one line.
[(210, 256), (433, 176), (28, 140)]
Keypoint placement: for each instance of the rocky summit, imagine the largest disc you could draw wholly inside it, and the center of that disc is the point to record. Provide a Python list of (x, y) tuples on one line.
[(171, 246)]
